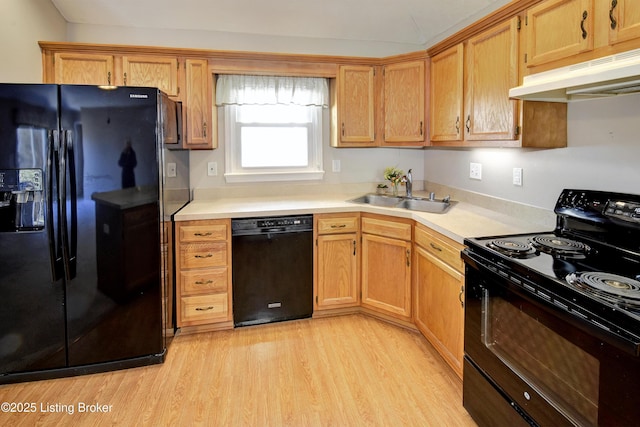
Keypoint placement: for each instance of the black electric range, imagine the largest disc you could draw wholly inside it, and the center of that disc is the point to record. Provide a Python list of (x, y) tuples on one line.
[(573, 291)]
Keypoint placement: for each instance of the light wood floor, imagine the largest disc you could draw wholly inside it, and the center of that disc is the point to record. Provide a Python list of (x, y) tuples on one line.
[(339, 371)]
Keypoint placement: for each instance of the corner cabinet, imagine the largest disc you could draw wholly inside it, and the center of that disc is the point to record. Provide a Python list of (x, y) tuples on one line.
[(470, 103), (470, 89), (353, 109), (386, 265), (404, 97), (203, 274), (439, 293), (337, 261)]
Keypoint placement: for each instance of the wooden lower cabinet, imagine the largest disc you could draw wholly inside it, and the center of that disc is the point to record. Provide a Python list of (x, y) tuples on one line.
[(203, 274), (439, 293), (386, 265), (337, 261)]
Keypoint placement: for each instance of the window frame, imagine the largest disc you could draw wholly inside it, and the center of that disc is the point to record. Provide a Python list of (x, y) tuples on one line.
[(234, 172)]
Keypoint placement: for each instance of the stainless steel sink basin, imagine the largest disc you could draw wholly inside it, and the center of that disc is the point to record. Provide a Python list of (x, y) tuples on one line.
[(379, 200), (425, 205), (421, 204)]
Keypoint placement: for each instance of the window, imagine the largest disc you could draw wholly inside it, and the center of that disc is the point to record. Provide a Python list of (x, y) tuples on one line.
[(273, 127)]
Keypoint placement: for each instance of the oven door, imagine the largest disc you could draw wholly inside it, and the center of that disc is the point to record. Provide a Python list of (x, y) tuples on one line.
[(537, 357)]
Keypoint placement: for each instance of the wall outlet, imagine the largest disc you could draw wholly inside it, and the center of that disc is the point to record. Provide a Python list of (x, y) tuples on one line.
[(475, 170), (335, 165), (212, 169), (171, 170), (517, 177)]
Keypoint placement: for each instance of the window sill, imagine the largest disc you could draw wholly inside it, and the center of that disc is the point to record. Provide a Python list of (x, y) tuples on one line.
[(273, 177)]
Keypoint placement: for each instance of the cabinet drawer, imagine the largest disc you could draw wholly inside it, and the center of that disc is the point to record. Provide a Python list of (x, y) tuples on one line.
[(205, 308), (384, 228), (210, 280), (440, 248), (338, 225), (199, 255), (203, 233)]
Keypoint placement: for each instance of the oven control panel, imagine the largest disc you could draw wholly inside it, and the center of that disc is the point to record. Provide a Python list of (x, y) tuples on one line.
[(626, 211)]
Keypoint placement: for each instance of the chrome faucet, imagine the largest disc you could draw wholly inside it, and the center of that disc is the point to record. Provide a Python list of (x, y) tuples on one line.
[(409, 184)]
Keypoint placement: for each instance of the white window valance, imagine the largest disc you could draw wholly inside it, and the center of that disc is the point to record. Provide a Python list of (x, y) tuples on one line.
[(271, 90)]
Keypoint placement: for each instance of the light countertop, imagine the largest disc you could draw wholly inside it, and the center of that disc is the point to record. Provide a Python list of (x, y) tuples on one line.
[(461, 220)]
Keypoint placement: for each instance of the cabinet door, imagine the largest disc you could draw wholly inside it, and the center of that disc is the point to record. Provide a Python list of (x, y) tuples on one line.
[(82, 68), (624, 20), (356, 109), (151, 71), (337, 264), (557, 29), (491, 70), (447, 95), (386, 275), (404, 94), (439, 312), (199, 120)]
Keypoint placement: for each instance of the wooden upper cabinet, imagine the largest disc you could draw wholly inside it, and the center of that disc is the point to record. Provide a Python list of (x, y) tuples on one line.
[(152, 71), (355, 119), (82, 68), (404, 95), (447, 83), (491, 69), (557, 29), (624, 20), (200, 126)]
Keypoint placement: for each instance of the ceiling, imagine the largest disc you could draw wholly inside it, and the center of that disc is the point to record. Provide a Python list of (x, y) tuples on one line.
[(419, 22)]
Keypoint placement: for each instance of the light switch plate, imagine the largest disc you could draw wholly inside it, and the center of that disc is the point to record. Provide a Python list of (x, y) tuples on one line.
[(475, 171), (335, 165)]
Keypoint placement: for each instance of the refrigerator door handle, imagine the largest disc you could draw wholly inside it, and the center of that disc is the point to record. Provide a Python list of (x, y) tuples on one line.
[(73, 199), (68, 260), (53, 141)]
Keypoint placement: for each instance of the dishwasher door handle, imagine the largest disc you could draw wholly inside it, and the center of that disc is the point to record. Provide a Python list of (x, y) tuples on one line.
[(273, 230)]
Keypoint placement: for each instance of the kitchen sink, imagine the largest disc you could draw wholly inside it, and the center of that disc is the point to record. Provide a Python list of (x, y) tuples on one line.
[(421, 204)]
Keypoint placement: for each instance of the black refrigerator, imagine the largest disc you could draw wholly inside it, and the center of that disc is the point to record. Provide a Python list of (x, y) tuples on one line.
[(85, 199)]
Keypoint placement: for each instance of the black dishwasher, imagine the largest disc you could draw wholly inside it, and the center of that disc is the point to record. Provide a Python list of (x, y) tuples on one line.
[(272, 269)]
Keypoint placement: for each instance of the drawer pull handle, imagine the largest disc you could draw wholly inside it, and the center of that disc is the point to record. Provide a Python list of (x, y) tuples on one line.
[(338, 225), (460, 296), (204, 308), (204, 282), (408, 258), (437, 248), (208, 233), (354, 247), (204, 256)]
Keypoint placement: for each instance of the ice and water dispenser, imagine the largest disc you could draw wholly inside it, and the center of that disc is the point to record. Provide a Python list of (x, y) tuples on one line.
[(21, 200)]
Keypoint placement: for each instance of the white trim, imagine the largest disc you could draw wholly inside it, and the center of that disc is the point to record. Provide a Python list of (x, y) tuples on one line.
[(273, 177)]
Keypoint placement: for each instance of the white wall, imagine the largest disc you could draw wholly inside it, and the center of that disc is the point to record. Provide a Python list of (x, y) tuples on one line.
[(22, 24), (603, 153)]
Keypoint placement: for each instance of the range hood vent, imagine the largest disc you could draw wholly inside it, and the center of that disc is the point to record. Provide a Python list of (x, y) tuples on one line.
[(603, 77)]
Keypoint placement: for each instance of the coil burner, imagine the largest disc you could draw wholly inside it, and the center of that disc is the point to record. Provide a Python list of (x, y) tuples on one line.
[(512, 248), (619, 290), (560, 246)]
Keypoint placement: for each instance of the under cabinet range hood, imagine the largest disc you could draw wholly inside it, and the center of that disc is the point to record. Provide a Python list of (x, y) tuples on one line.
[(612, 75)]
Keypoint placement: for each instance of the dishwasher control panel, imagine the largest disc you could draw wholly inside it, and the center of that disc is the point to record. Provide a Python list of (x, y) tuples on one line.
[(275, 224)]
